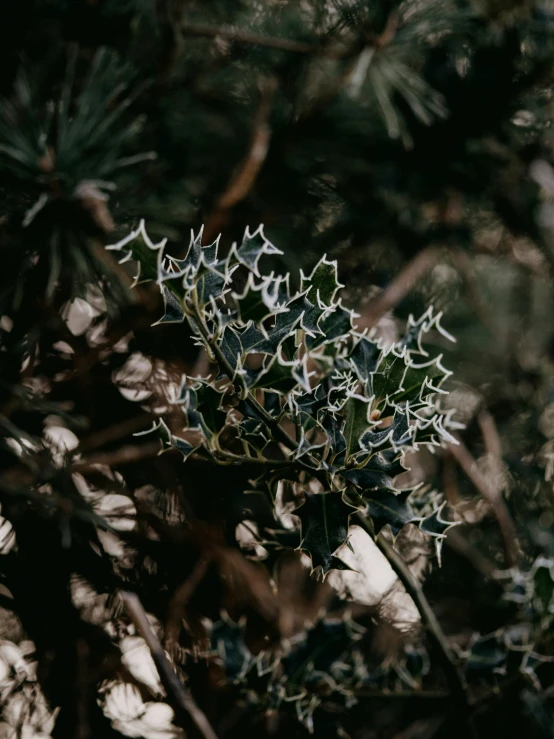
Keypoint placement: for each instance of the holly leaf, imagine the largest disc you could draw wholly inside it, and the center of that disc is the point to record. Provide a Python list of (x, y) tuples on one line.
[(210, 285), (389, 508), (231, 348), (435, 526), (356, 415), (324, 518), (308, 405), (337, 443), (543, 583), (322, 284), (377, 473), (167, 440), (253, 246), (173, 308), (228, 644), (420, 377), (138, 247), (388, 376), (415, 331), (334, 326), (209, 406), (397, 434), (259, 300), (487, 654), (197, 255), (299, 311), (364, 358), (275, 374)]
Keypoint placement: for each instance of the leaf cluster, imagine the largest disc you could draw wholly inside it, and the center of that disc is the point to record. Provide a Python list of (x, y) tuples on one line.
[(298, 392)]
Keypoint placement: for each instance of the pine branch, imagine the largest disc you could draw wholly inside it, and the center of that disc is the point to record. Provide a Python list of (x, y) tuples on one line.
[(248, 38)]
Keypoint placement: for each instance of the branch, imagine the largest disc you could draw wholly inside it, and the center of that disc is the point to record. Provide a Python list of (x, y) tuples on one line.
[(465, 268), (243, 180), (248, 38), (507, 527), (399, 287), (178, 695), (491, 437), (124, 455), (459, 544), (402, 694), (177, 604), (438, 640), (116, 432)]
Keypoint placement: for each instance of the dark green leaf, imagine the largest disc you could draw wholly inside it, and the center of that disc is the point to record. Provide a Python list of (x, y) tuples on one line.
[(322, 285), (324, 518), (388, 508)]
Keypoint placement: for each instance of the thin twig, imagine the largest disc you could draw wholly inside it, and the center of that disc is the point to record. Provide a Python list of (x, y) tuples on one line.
[(124, 455), (178, 694), (402, 694), (180, 598), (239, 36), (465, 268), (244, 177), (398, 288), (491, 437), (115, 432), (493, 496), (439, 641), (459, 544)]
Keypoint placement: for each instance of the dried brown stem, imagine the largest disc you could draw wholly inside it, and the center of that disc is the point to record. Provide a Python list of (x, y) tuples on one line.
[(245, 175), (400, 286), (493, 496), (115, 432), (491, 437), (179, 600), (124, 455), (178, 695), (459, 544), (248, 38), (437, 638), (415, 591), (465, 268)]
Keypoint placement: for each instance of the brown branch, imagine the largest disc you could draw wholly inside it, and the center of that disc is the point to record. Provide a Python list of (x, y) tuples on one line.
[(179, 600), (248, 38), (124, 455), (491, 437), (402, 694), (245, 175), (400, 286), (493, 496), (178, 695), (437, 638), (459, 544), (115, 432), (464, 266)]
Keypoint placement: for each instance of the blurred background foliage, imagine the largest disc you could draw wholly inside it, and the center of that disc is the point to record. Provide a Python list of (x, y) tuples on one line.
[(412, 142)]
